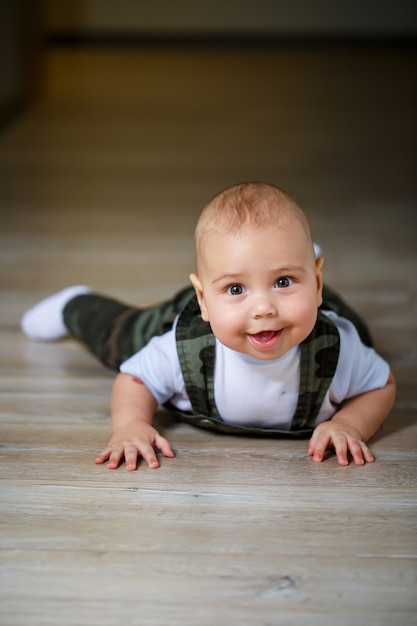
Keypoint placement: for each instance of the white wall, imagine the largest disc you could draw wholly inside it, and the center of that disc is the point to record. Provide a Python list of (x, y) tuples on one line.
[(287, 17)]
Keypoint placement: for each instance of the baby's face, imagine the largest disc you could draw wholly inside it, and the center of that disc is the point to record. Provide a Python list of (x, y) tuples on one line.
[(260, 290)]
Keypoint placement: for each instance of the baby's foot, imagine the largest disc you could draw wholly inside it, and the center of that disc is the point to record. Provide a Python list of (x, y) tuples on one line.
[(45, 320), (317, 250)]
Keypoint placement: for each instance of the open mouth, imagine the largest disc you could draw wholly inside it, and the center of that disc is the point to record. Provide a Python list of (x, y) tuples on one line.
[(265, 338)]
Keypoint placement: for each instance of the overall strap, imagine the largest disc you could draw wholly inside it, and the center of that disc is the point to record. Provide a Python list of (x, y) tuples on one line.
[(319, 357), (196, 350)]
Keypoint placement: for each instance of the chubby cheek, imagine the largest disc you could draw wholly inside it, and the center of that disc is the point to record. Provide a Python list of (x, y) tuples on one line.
[(305, 316), (225, 326)]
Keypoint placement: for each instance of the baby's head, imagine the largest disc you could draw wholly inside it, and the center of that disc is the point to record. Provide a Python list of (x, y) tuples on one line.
[(249, 207), (258, 282)]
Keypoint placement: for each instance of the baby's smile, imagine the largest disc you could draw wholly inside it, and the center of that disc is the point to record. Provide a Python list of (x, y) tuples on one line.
[(265, 338)]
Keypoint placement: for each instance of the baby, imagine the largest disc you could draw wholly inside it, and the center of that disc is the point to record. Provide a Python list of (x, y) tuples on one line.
[(252, 349)]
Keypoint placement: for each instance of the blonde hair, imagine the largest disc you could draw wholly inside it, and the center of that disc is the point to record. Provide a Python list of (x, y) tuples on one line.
[(248, 205)]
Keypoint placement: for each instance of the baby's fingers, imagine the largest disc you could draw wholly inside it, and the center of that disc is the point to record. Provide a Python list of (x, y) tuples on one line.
[(103, 456), (131, 458), (360, 452), (318, 446), (164, 446), (115, 455), (148, 452), (148, 455), (129, 452), (345, 444)]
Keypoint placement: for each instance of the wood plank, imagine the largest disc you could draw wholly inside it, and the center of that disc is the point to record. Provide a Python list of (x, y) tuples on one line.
[(137, 588), (216, 519)]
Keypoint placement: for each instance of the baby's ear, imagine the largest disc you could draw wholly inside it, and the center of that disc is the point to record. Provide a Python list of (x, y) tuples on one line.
[(200, 296), (319, 279)]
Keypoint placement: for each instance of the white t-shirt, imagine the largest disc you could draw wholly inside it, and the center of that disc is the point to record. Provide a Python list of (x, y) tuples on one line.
[(255, 393)]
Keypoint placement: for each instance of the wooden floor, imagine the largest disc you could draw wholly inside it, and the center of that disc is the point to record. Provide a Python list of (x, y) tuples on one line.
[(101, 183)]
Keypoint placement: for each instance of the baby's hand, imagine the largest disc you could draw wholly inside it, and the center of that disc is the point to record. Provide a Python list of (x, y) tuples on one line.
[(131, 441), (344, 438)]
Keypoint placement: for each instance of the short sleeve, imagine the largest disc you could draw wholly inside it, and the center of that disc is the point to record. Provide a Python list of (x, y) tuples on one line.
[(360, 368), (157, 366)]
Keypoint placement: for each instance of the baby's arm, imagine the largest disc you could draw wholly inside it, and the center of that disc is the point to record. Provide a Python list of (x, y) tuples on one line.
[(132, 409), (356, 421)]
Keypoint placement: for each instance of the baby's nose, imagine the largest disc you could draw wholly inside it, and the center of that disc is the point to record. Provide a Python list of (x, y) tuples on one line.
[(263, 306)]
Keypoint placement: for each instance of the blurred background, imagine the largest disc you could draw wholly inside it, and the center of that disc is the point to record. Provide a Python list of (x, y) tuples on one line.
[(120, 120), (28, 28)]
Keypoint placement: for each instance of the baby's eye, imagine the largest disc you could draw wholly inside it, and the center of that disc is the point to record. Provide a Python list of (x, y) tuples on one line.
[(284, 281), (235, 290)]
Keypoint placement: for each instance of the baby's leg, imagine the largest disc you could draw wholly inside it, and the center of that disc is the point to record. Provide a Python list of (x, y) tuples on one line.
[(103, 325), (110, 329), (114, 331), (334, 302)]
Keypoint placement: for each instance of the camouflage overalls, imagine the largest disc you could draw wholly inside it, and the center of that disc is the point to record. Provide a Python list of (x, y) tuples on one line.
[(113, 332)]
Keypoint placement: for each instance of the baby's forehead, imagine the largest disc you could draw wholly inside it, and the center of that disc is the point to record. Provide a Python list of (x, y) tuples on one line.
[(215, 233), (216, 244)]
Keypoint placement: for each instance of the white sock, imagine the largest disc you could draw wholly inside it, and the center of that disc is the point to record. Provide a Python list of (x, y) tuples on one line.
[(317, 250), (45, 320)]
